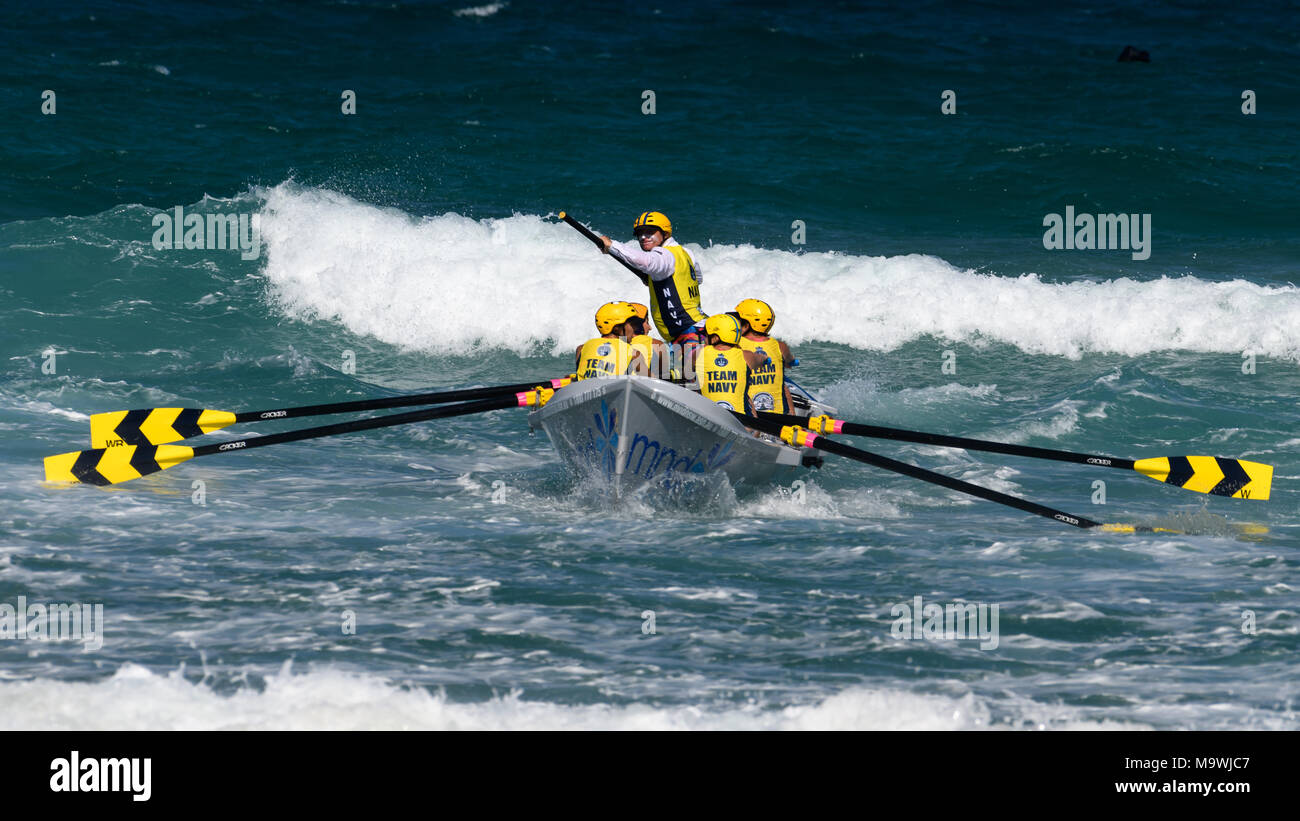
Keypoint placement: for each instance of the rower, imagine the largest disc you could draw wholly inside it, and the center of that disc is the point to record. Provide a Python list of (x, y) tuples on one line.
[(610, 354), (653, 351), (768, 390), (723, 367), (670, 272)]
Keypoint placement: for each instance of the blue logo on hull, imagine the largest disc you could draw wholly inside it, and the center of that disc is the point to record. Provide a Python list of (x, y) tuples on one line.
[(602, 444), (646, 457)]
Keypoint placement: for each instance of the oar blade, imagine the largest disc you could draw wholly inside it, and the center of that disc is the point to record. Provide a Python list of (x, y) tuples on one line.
[(154, 426), (1236, 478), (111, 466), (1124, 528)]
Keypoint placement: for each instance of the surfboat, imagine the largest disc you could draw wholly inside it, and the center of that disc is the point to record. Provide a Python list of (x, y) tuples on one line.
[(636, 432)]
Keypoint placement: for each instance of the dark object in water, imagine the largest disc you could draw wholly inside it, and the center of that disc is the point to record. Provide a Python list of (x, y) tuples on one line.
[(1134, 55)]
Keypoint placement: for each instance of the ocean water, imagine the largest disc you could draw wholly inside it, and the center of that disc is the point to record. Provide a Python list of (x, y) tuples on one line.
[(450, 574)]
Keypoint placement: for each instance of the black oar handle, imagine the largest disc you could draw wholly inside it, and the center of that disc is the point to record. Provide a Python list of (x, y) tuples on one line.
[(582, 229), (923, 438), (246, 443), (830, 446), (589, 234), (390, 402)]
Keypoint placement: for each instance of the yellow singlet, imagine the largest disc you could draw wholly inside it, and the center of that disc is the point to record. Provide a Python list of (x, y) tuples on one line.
[(644, 345), (723, 376), (602, 357), (675, 302), (767, 383)]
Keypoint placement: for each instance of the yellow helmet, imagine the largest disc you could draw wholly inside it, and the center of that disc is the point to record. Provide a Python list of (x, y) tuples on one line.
[(642, 311), (654, 219), (613, 314), (725, 326), (757, 313)]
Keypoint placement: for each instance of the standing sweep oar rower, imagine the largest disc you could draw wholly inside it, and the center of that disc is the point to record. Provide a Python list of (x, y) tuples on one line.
[(666, 267)]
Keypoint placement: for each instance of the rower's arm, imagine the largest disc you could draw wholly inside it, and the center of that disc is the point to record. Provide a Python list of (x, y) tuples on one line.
[(606, 243), (785, 353), (657, 263)]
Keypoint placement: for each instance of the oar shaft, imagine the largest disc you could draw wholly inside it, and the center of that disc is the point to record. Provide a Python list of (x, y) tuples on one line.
[(384, 403), (830, 446), (443, 412), (123, 462), (769, 425), (582, 229), (591, 235), (923, 438)]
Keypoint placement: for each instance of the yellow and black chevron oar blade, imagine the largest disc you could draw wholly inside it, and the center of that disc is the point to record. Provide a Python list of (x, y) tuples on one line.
[(1204, 474), (154, 426), (109, 466), (121, 463), (1210, 474), (158, 426)]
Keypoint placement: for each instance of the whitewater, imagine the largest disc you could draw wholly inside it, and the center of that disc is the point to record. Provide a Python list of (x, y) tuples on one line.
[(450, 284)]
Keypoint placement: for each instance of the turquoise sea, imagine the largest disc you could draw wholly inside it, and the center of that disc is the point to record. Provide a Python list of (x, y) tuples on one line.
[(451, 574)]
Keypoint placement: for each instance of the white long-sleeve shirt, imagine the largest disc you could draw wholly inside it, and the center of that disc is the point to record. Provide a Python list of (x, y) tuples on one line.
[(657, 263)]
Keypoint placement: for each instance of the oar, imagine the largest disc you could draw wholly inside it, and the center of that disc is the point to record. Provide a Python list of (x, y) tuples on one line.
[(158, 426), (799, 436), (1204, 474), (109, 466), (589, 234)]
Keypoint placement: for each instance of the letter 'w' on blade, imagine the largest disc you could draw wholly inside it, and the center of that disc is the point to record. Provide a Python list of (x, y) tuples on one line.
[(154, 426), (1210, 474), (108, 466)]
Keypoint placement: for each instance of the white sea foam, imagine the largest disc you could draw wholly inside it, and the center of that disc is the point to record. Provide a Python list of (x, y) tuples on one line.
[(450, 283), (480, 11), (135, 698)]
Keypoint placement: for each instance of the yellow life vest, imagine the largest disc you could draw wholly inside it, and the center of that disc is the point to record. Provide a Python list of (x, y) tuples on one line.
[(644, 345), (767, 383), (602, 357), (675, 302), (723, 376)]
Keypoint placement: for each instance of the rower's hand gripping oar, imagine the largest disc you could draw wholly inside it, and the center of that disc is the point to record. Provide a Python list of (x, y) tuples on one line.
[(591, 235), (798, 436), (121, 463), (1214, 475), (158, 426)]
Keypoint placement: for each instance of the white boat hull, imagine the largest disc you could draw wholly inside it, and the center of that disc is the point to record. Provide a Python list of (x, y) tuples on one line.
[(636, 432)]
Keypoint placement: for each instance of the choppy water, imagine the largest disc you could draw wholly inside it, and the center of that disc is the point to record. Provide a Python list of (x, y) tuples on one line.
[(491, 590)]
